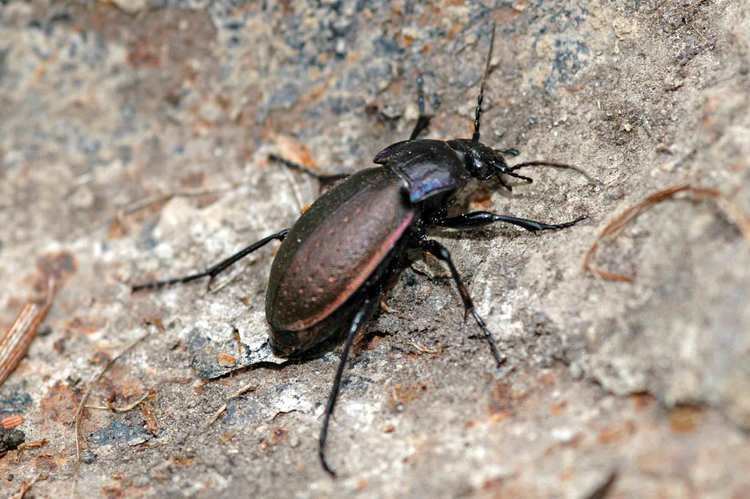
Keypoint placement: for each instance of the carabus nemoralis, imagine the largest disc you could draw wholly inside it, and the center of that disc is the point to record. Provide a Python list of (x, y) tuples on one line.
[(335, 262)]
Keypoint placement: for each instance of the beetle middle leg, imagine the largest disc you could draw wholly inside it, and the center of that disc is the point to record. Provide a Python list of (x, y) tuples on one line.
[(214, 270), (476, 219), (360, 317), (441, 253)]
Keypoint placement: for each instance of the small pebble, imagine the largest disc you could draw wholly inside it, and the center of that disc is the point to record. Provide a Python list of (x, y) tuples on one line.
[(88, 457)]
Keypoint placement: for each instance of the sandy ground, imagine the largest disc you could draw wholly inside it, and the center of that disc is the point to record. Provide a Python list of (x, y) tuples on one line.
[(134, 138)]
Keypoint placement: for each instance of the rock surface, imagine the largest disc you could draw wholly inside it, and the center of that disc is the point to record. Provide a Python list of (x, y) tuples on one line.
[(134, 138)]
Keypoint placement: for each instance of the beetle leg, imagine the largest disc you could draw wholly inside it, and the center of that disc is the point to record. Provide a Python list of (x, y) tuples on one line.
[(302, 168), (475, 219), (214, 270), (423, 121), (441, 253), (357, 322)]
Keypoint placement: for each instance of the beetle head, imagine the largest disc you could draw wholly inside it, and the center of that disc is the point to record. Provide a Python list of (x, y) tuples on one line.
[(483, 162)]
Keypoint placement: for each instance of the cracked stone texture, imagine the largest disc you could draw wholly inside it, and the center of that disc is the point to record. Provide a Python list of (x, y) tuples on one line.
[(133, 145)]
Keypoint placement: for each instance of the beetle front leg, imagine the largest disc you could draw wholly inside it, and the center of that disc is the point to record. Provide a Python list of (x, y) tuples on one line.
[(476, 219), (214, 270), (441, 253), (356, 325)]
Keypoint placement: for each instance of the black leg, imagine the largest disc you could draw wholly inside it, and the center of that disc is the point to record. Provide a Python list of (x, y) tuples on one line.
[(481, 218), (478, 110), (441, 253), (216, 269), (357, 322), (308, 171), (423, 121)]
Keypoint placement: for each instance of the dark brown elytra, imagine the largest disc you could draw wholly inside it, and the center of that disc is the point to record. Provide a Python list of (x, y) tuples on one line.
[(334, 262)]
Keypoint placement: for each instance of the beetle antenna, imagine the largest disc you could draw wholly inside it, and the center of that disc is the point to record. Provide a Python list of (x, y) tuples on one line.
[(526, 179), (478, 110)]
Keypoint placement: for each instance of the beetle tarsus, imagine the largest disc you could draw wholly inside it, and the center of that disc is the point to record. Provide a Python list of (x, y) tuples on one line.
[(322, 177), (215, 270), (324, 463), (499, 358), (167, 282)]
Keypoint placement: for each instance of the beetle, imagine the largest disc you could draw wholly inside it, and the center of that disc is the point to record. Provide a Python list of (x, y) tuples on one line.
[(335, 262)]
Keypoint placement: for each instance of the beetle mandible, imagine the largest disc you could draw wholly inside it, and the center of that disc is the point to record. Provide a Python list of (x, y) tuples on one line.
[(335, 261)]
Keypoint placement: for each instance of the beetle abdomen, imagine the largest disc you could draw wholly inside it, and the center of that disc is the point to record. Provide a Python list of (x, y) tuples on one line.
[(334, 247)]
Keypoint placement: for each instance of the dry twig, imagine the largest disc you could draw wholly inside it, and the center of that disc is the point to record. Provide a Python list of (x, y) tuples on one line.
[(423, 349), (10, 422), (82, 403), (15, 343), (243, 390), (616, 225), (34, 444), (26, 486), (125, 408), (147, 202)]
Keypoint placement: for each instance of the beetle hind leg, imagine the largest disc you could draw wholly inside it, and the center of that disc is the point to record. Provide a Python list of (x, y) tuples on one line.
[(441, 253), (322, 177), (214, 270)]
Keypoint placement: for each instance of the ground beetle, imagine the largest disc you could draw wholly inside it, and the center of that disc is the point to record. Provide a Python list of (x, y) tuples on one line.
[(336, 260)]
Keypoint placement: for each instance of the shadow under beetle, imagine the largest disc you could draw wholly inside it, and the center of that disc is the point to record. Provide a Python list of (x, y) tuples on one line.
[(336, 260)]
